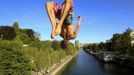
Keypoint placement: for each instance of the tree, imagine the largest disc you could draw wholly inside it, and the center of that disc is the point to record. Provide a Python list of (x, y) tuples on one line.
[(37, 35), (7, 33), (120, 43), (13, 60), (109, 45), (95, 47), (116, 42), (23, 37), (102, 45), (126, 41), (89, 46), (31, 34), (16, 28), (56, 45)]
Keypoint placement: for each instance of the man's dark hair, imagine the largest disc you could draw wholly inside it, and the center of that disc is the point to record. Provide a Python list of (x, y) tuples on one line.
[(64, 43)]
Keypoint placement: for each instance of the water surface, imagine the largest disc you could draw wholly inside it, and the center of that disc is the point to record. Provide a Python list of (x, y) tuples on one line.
[(86, 64)]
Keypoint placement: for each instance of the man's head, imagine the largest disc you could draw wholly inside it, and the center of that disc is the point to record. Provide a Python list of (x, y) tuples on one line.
[(64, 43)]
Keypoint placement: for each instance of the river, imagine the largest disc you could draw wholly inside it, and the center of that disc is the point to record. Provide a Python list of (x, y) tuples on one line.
[(86, 64)]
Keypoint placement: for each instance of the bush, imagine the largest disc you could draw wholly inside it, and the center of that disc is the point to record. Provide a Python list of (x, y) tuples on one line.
[(56, 45), (13, 61), (23, 37), (71, 49), (46, 53), (39, 55)]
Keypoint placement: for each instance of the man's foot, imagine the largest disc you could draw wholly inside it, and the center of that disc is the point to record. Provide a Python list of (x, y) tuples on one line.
[(52, 35), (57, 30)]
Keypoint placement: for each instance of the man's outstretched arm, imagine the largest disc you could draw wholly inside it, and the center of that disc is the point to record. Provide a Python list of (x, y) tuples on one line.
[(78, 26)]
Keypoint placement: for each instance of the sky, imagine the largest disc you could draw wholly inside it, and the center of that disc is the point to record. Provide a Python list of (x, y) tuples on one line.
[(100, 18)]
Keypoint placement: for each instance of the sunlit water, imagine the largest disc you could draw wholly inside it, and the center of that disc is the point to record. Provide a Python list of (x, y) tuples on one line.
[(85, 64)]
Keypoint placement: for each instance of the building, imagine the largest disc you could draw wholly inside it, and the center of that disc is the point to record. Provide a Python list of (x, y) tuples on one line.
[(77, 43), (132, 38)]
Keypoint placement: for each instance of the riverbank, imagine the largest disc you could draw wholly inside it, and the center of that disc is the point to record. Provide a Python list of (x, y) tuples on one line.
[(54, 69), (107, 57), (60, 65), (125, 61)]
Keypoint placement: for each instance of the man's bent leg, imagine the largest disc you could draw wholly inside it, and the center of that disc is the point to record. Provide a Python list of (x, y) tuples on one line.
[(63, 16), (51, 15)]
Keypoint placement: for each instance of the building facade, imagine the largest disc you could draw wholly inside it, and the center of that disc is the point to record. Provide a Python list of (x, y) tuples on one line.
[(132, 38)]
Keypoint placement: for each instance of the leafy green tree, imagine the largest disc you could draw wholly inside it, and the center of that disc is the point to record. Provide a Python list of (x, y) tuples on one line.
[(116, 42), (95, 47), (7, 33), (13, 61), (16, 28), (120, 43), (126, 42), (85, 46), (89, 46), (37, 35), (23, 37), (32, 35), (102, 45), (56, 45)]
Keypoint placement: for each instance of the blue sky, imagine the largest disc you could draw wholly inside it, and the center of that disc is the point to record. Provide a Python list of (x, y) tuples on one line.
[(100, 18)]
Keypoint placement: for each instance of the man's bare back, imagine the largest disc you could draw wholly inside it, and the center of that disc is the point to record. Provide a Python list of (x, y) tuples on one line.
[(68, 32)]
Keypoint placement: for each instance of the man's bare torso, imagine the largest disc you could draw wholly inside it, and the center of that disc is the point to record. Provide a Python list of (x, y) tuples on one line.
[(67, 32)]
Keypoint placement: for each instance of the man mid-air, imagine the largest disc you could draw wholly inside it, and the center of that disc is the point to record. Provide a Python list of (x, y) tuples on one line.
[(61, 19)]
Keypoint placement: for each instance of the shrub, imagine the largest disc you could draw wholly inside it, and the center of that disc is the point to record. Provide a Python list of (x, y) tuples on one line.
[(71, 49), (23, 37), (13, 61), (56, 45)]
